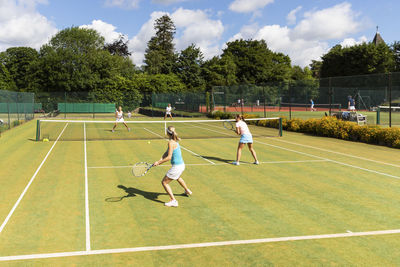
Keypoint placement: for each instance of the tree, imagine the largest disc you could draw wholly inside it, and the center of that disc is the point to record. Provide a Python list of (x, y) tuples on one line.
[(219, 71), (256, 64), (160, 53), (315, 67), (18, 62), (395, 48), (188, 68), (75, 60), (118, 47), (6, 82), (366, 58)]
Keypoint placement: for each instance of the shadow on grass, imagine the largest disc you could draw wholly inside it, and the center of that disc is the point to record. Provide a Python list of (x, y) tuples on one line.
[(217, 159), (132, 192)]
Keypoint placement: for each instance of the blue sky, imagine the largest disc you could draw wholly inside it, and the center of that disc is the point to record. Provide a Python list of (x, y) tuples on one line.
[(304, 30)]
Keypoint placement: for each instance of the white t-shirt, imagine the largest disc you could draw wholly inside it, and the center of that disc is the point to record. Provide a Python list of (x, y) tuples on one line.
[(120, 116), (168, 109), (244, 129)]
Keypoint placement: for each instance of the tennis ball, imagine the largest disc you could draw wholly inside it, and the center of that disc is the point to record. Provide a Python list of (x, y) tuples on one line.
[(45, 140), (148, 142)]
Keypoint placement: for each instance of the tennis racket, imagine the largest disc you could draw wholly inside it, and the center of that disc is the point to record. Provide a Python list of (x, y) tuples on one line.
[(229, 126), (141, 168)]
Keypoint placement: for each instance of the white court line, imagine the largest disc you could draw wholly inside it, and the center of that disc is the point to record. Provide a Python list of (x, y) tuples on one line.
[(181, 147), (218, 164), (338, 162), (198, 245), (87, 221), (314, 156), (30, 182), (339, 153)]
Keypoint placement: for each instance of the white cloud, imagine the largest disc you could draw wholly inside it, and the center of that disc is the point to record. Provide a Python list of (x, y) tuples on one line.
[(192, 26), (106, 30), (22, 25), (347, 42), (330, 23), (167, 2), (125, 4), (291, 17), (247, 6), (309, 39)]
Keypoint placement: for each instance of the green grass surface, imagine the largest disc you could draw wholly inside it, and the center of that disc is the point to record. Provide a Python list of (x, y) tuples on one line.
[(306, 185)]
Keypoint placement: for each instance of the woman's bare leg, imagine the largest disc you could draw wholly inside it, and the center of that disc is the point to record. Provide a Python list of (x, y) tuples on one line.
[(165, 183), (239, 152), (253, 152)]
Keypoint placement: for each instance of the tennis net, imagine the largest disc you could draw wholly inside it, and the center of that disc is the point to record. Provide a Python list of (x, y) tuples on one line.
[(76, 130)]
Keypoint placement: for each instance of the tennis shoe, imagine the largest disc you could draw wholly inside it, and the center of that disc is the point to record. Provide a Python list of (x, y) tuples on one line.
[(129, 129), (236, 163), (112, 130), (188, 193), (256, 162), (172, 203)]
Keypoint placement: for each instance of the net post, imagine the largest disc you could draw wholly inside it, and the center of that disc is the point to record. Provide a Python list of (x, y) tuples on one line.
[(280, 127), (38, 130)]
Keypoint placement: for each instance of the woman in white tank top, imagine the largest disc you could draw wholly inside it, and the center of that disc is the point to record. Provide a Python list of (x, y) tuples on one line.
[(119, 115)]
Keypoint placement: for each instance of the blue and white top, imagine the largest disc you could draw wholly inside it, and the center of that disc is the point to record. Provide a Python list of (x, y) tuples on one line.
[(177, 156)]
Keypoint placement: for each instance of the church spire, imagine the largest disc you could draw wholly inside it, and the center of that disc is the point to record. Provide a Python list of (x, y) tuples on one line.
[(378, 38)]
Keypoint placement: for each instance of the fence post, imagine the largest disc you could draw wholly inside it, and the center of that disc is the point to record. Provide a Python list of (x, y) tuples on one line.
[(330, 93), (390, 99), (9, 120), (265, 112), (378, 116)]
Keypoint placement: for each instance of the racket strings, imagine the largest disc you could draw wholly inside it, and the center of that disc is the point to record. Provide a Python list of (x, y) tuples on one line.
[(140, 169)]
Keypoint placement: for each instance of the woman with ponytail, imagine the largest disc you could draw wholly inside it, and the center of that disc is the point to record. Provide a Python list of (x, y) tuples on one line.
[(174, 154), (246, 138)]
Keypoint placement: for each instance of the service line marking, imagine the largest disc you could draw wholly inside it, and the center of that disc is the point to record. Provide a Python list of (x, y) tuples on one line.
[(198, 245), (218, 164)]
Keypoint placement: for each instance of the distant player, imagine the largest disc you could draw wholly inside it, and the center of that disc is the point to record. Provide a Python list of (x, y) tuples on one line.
[(174, 154), (119, 115), (168, 110), (312, 106), (351, 103), (246, 138)]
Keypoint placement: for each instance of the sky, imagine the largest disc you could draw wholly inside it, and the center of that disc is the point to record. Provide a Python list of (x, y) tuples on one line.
[(303, 30)]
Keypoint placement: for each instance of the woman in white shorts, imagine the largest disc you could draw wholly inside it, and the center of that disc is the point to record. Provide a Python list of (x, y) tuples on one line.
[(174, 154), (119, 115), (245, 138), (168, 111)]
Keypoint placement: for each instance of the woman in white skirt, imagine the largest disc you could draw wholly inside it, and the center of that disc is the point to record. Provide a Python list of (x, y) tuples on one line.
[(168, 111), (245, 138), (174, 154), (119, 115)]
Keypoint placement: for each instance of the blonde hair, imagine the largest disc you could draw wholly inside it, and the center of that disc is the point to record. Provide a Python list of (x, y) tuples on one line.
[(172, 133)]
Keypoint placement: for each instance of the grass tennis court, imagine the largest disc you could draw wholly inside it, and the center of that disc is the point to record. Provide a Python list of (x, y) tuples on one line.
[(311, 201)]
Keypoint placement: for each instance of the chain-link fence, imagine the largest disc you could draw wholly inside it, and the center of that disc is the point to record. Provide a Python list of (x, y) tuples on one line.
[(83, 104), (375, 96), (15, 108)]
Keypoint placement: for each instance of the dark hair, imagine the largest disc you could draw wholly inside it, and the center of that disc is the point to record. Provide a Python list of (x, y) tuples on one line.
[(240, 117)]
